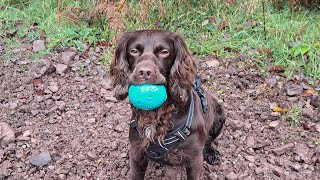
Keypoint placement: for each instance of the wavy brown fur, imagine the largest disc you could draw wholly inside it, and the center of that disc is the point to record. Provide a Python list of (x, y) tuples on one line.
[(161, 57)]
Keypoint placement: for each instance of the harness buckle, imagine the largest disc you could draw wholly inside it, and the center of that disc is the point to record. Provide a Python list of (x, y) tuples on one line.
[(186, 132)]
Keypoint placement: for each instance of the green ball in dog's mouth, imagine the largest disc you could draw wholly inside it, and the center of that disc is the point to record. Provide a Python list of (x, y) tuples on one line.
[(147, 96)]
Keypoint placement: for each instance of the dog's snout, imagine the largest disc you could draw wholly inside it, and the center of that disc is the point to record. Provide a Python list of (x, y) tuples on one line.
[(145, 72)]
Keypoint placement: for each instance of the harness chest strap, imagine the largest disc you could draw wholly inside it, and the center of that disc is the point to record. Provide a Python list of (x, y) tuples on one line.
[(157, 150)]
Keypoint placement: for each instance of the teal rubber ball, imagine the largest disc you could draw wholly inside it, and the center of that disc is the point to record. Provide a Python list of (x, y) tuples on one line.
[(147, 96)]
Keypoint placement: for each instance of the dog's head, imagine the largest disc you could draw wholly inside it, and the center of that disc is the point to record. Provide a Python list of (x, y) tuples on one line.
[(153, 57)]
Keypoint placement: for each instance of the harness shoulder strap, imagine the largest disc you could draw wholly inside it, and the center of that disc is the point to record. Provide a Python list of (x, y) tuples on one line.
[(201, 94)]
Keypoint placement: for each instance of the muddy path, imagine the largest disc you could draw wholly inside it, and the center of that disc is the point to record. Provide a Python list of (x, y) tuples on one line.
[(67, 125)]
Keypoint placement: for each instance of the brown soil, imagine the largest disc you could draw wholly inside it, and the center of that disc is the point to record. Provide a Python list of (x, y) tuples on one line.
[(69, 112)]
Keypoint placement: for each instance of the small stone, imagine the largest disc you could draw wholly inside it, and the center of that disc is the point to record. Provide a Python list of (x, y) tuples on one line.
[(120, 127), (12, 105), (232, 176), (114, 145), (308, 112), (24, 109), (123, 155), (61, 68), (282, 149), (293, 89), (258, 170), (7, 134), (51, 168), (75, 144), (236, 125), (212, 63), (66, 57), (315, 101), (250, 141), (273, 105), (38, 45), (38, 98), (62, 176), (53, 87), (241, 74), (107, 95), (19, 153), (34, 112), (274, 124), (43, 67), (92, 120), (41, 159), (296, 167), (275, 114), (250, 158), (304, 152), (277, 171), (271, 81), (26, 133), (92, 155), (23, 138), (97, 49), (61, 105), (106, 84), (264, 116), (318, 127)]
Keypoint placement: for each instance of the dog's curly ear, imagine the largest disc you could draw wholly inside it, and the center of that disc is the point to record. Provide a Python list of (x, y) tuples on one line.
[(119, 68), (182, 73)]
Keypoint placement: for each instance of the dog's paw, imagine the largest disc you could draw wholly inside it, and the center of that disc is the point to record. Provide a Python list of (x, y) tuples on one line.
[(211, 155)]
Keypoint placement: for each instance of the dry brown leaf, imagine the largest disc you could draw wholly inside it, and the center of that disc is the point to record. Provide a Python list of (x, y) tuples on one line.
[(277, 68), (251, 23), (224, 24), (309, 92), (266, 51), (104, 43), (72, 16)]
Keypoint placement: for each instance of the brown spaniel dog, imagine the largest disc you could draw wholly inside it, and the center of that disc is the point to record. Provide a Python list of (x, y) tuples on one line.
[(181, 130)]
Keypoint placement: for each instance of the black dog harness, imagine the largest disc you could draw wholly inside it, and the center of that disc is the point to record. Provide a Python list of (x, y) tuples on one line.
[(157, 150)]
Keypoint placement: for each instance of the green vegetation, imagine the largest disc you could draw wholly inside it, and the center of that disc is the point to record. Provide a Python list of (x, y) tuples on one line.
[(34, 19), (294, 114), (270, 36)]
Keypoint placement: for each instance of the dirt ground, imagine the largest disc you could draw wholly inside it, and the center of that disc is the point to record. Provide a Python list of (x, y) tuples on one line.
[(67, 125)]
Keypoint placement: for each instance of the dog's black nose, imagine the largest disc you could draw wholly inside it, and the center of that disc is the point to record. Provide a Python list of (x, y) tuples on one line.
[(144, 73)]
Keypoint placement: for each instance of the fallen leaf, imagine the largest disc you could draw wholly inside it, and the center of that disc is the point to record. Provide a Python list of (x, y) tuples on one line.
[(224, 24), (251, 24), (266, 51), (277, 68), (277, 109), (72, 16), (309, 92), (19, 23), (104, 43)]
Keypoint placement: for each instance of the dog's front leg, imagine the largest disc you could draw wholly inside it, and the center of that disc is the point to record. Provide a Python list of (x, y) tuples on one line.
[(195, 167), (138, 165)]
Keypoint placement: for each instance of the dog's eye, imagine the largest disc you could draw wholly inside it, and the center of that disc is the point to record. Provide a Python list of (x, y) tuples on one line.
[(134, 51), (164, 52)]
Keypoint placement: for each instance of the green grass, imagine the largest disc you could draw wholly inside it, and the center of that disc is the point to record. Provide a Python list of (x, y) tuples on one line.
[(209, 27), (282, 30), (293, 115), (39, 18)]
